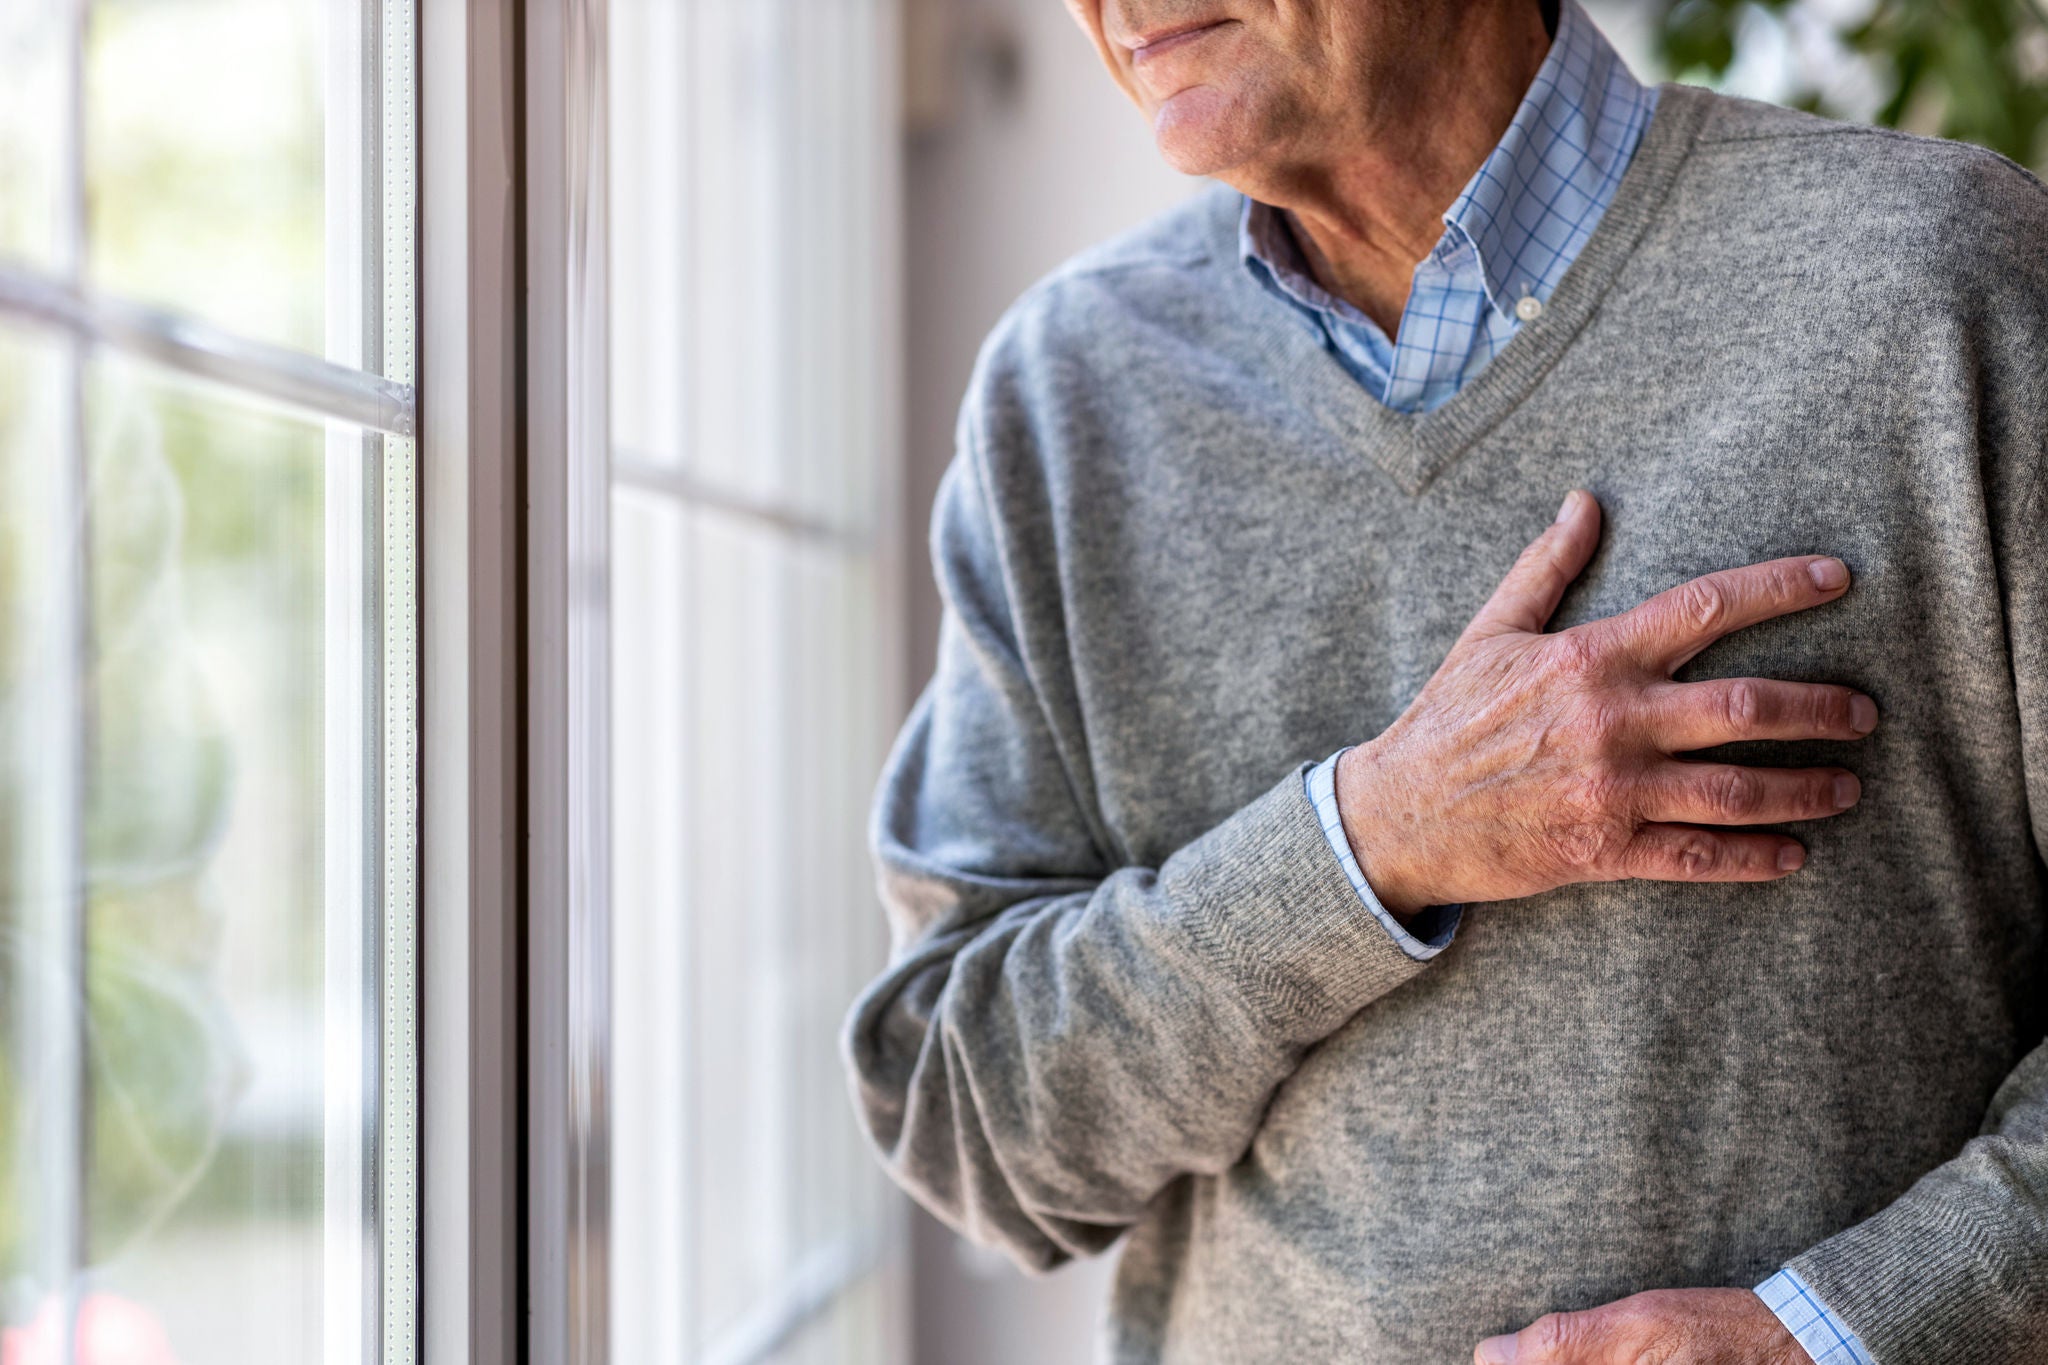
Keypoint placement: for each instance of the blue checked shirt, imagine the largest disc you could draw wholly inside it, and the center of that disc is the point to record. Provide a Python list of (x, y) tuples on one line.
[(1508, 240)]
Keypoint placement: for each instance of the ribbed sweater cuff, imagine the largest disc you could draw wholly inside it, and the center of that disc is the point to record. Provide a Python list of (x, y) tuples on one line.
[(1934, 1281), (1268, 906)]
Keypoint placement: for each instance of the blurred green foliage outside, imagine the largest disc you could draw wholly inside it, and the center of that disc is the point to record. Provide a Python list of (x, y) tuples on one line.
[(1976, 70)]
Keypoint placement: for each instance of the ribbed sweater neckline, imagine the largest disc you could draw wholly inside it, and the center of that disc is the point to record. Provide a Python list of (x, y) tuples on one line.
[(1414, 447)]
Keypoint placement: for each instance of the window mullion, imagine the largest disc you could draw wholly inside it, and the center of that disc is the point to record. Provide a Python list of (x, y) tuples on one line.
[(470, 755), (277, 373), (57, 714), (389, 128), (568, 900)]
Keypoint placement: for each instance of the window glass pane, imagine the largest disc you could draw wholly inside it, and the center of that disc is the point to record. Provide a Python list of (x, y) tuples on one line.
[(739, 1007), (752, 417), (751, 236), (205, 122), (837, 726), (846, 1330), (651, 940), (32, 119), (207, 672), (748, 723), (204, 857), (232, 1000)]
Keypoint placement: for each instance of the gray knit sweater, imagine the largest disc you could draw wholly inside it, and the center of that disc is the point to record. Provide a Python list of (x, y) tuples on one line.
[(1183, 554)]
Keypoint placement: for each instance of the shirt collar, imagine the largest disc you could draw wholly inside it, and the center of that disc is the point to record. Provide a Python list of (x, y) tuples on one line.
[(1525, 210)]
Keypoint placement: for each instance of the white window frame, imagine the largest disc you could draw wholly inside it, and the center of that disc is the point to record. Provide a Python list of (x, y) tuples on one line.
[(473, 777), (568, 844)]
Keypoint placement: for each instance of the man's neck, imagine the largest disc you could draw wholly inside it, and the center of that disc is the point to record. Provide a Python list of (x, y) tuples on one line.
[(1366, 213)]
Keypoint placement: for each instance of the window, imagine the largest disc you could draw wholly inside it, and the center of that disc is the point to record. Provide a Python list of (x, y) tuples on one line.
[(753, 451), (207, 682), (631, 617)]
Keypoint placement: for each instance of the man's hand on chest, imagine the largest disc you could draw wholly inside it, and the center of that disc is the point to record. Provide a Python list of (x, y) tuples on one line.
[(1669, 1326), (1532, 761)]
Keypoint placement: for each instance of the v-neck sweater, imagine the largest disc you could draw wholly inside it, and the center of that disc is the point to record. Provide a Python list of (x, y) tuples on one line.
[(1134, 1001)]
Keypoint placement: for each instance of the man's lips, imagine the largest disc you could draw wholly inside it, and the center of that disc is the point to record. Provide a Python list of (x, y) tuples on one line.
[(1148, 47)]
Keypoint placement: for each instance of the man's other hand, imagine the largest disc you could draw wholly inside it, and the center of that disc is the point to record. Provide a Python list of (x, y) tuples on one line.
[(1669, 1326), (1532, 761)]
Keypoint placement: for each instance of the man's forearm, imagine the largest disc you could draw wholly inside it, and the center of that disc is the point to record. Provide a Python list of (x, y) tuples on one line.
[(1037, 1068)]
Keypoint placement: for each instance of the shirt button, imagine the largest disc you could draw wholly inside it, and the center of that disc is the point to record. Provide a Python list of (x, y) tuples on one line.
[(1528, 308)]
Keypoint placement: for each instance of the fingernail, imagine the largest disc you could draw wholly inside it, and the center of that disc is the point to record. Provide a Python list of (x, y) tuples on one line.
[(1563, 508), (1497, 1351), (1862, 714), (1828, 574), (1791, 858), (1847, 789)]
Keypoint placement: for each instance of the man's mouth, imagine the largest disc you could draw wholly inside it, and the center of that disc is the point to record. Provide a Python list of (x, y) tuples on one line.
[(1151, 46)]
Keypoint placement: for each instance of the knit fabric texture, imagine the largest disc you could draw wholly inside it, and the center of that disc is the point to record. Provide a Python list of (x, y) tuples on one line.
[(1133, 1000)]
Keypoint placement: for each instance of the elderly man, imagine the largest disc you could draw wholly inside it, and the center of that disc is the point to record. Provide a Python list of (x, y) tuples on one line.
[(1406, 961)]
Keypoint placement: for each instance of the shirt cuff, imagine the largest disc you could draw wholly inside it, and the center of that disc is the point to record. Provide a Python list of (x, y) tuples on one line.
[(1431, 930), (1818, 1331)]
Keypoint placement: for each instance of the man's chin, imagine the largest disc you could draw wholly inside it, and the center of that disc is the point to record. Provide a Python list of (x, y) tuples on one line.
[(1202, 131)]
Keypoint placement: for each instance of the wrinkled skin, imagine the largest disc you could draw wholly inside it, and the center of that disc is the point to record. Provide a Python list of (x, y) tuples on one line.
[(1663, 1327), (1363, 119), (1532, 761)]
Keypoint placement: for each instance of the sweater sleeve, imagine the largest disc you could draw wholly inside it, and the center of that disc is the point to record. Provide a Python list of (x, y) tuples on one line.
[(1956, 1270), (1058, 1037)]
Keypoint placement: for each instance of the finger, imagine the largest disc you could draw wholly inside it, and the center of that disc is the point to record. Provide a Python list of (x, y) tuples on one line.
[(1684, 716), (1725, 794), (1528, 597), (1686, 853), (1677, 624), (1553, 1339)]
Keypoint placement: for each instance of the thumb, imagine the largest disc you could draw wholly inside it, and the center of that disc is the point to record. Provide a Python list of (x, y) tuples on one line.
[(1528, 596), (1558, 1339)]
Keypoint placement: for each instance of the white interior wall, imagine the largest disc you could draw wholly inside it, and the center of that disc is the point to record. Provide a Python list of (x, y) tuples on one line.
[(1008, 185)]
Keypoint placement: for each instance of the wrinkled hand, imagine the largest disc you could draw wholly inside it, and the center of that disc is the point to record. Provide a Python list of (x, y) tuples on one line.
[(1532, 761), (1669, 1326)]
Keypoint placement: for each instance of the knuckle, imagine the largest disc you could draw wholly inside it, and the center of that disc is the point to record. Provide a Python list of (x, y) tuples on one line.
[(1539, 557), (1576, 654), (1734, 793), (1593, 727), (1589, 831), (1661, 1348), (1590, 795), (1553, 1332), (1703, 603), (1743, 706), (1696, 856), (1567, 1336), (1539, 552), (1579, 845)]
